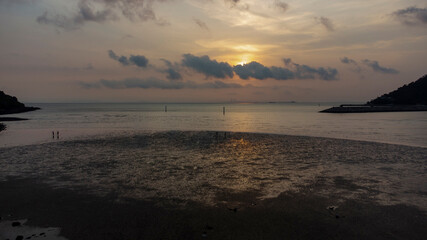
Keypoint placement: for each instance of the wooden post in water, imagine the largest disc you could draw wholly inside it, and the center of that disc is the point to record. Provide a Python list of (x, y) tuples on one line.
[(166, 108), (223, 110)]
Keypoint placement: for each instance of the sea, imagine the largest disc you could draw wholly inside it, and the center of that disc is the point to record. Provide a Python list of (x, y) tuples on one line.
[(89, 120)]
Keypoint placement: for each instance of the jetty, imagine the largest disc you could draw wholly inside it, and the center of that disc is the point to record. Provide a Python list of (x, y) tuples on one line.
[(354, 108), (408, 98)]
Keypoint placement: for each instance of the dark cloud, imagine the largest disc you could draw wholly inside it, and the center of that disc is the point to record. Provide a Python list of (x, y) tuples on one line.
[(208, 67), (412, 16), (212, 68), (307, 72), (172, 74), (201, 24), (326, 22), (232, 2), (131, 9), (377, 68), (349, 61), (237, 4), (138, 60), (258, 71), (281, 5), (85, 14), (172, 70), (158, 84)]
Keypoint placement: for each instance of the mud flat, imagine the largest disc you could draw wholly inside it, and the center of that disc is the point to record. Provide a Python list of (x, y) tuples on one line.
[(216, 185)]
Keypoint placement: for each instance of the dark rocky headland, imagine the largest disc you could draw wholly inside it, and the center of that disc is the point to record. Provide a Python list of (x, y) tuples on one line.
[(411, 97), (11, 105)]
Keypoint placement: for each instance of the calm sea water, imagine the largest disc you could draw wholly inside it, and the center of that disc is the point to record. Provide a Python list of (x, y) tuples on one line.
[(75, 121)]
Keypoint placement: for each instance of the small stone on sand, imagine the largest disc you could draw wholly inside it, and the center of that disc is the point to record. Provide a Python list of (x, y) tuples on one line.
[(16, 224)]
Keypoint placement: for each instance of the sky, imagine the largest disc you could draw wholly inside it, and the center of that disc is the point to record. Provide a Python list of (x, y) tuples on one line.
[(210, 50)]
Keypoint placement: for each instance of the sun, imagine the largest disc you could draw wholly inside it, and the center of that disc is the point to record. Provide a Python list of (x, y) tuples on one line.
[(243, 60)]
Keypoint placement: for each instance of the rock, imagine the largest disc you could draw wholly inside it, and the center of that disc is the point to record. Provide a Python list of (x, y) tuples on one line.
[(16, 224)]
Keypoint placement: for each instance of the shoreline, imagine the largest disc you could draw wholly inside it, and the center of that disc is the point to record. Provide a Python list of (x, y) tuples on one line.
[(18, 110), (11, 119), (117, 133)]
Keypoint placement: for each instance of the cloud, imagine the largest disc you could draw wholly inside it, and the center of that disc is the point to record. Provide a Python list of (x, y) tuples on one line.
[(172, 70), (232, 2), (212, 68), (84, 14), (281, 5), (130, 9), (237, 4), (326, 22), (349, 61), (201, 24), (208, 67), (307, 72), (411, 16), (138, 60), (258, 71), (377, 68), (149, 83)]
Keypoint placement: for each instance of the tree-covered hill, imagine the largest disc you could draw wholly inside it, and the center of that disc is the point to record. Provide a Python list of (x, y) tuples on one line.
[(411, 94), (10, 105)]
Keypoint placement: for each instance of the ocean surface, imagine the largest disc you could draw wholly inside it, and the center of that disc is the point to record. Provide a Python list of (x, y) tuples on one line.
[(77, 121)]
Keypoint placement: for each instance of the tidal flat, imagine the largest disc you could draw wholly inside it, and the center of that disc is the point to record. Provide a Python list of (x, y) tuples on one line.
[(216, 185)]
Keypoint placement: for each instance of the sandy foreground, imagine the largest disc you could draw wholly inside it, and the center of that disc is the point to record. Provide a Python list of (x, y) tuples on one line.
[(213, 185)]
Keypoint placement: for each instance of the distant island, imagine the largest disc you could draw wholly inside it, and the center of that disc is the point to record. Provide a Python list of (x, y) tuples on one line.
[(11, 105), (411, 97)]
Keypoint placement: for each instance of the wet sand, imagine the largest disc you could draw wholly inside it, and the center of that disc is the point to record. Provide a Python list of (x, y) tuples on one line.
[(202, 185)]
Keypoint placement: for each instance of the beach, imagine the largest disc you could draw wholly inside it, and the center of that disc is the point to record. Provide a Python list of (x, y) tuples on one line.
[(216, 185)]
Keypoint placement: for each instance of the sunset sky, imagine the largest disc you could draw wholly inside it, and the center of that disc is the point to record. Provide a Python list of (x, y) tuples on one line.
[(210, 50)]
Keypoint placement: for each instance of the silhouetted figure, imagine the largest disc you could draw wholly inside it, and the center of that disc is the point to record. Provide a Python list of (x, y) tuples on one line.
[(57, 134), (223, 110), (53, 134)]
